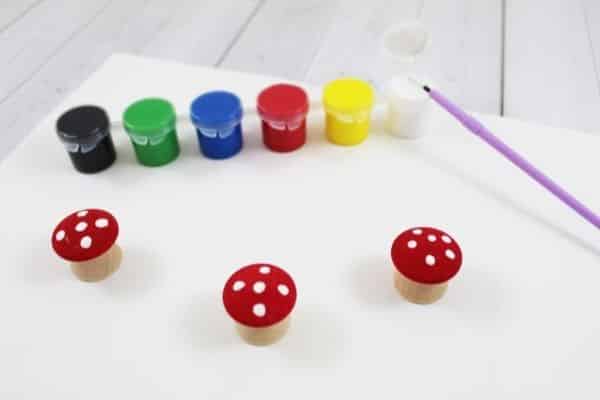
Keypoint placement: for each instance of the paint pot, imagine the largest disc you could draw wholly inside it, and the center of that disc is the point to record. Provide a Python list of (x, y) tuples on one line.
[(408, 108), (85, 133), (217, 117), (348, 103), (283, 110), (401, 45), (150, 124)]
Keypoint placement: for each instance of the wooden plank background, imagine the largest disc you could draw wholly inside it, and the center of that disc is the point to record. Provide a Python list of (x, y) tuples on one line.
[(550, 67), (529, 59)]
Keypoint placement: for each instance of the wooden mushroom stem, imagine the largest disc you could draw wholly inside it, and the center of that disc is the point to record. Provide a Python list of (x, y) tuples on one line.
[(98, 268), (419, 293), (264, 336)]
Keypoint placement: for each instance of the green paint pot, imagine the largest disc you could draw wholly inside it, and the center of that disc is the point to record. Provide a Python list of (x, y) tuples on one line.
[(150, 124)]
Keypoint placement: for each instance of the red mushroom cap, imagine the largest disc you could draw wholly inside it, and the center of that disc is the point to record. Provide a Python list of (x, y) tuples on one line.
[(259, 295), (426, 255), (85, 234)]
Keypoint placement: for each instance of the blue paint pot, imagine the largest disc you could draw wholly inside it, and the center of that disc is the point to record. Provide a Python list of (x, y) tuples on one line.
[(217, 117)]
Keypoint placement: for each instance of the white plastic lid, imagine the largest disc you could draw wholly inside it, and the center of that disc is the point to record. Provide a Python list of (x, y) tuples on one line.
[(406, 40)]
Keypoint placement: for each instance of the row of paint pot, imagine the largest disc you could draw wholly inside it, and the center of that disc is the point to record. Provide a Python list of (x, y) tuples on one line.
[(151, 124)]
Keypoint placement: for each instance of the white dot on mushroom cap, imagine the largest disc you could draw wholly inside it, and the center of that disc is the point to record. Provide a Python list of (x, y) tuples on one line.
[(86, 242), (430, 260), (259, 287), (412, 244), (60, 235), (238, 285), (450, 254), (101, 223), (264, 269), (80, 227), (417, 231), (82, 213), (446, 239), (259, 310), (431, 238), (283, 289)]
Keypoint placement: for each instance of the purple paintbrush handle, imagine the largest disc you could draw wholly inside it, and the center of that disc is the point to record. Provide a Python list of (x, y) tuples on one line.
[(477, 128)]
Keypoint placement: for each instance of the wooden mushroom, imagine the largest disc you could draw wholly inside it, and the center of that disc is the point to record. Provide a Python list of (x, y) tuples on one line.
[(425, 260), (260, 298), (87, 239)]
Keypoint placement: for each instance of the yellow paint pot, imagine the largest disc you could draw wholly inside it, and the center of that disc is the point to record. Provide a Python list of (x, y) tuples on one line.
[(348, 103)]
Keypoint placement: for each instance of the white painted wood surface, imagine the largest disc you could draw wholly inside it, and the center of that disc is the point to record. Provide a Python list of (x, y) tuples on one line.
[(519, 321), (283, 38), (532, 59), (465, 55), (13, 10), (352, 43), (591, 9), (550, 66)]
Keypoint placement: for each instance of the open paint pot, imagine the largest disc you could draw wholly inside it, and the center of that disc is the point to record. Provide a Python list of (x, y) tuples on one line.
[(282, 109), (150, 124), (217, 117), (348, 103), (408, 108), (85, 133)]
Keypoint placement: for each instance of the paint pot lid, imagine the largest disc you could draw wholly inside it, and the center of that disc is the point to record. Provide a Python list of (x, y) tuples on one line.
[(85, 234), (348, 95), (83, 124), (405, 40), (216, 110), (149, 117), (282, 102), (259, 295), (426, 255)]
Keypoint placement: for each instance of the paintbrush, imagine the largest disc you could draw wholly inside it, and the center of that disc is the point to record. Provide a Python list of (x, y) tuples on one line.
[(476, 127)]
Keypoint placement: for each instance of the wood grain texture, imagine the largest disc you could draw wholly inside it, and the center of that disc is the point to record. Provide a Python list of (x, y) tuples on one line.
[(351, 44), (463, 57), (28, 43), (591, 10), (283, 38), (196, 32), (550, 71), (12, 11), (199, 31)]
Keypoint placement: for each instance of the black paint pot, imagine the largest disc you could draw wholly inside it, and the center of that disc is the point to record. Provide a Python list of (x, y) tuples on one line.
[(85, 133)]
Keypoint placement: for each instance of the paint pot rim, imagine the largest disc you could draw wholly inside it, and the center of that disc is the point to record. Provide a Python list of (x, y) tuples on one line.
[(217, 109), (282, 102), (162, 121), (348, 95)]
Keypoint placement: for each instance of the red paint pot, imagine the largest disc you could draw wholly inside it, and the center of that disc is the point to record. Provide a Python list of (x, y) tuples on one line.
[(283, 110)]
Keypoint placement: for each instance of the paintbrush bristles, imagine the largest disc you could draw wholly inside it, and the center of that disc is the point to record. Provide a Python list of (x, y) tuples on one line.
[(419, 84)]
